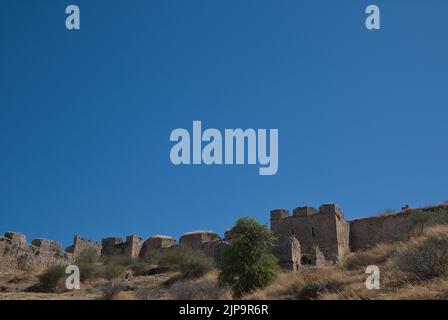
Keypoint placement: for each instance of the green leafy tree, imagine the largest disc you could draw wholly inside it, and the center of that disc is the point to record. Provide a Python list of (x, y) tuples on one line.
[(247, 263)]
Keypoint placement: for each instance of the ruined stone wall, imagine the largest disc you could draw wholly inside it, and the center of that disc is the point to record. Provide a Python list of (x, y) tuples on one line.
[(195, 239), (317, 257), (133, 245), (288, 253), (326, 229), (343, 235), (319, 235), (111, 246), (213, 249), (369, 232), (114, 246), (156, 243), (17, 254), (207, 242), (81, 245)]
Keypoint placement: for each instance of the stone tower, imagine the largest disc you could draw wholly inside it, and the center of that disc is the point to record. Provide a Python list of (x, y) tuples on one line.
[(324, 229)]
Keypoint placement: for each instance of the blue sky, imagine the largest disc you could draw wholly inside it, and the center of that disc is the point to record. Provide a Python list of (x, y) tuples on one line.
[(85, 116)]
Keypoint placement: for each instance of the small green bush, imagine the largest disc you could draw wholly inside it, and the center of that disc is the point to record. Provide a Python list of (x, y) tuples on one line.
[(172, 258), (196, 266), (423, 218), (112, 271), (153, 257), (88, 270), (139, 267), (310, 291), (118, 261), (88, 262), (191, 264), (50, 279)]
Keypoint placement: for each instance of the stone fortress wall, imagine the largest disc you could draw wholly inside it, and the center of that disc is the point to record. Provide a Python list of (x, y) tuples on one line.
[(308, 236), (324, 236), (17, 254), (325, 229)]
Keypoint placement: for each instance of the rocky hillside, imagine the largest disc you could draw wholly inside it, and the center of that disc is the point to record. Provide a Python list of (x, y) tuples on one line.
[(413, 268)]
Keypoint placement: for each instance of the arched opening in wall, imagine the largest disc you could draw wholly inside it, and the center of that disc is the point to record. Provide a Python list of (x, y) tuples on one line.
[(292, 232), (313, 233)]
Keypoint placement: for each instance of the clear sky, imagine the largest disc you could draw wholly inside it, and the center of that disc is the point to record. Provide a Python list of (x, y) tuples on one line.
[(85, 116)]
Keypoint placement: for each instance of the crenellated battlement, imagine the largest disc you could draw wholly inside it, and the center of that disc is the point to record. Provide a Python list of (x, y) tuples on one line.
[(325, 229)]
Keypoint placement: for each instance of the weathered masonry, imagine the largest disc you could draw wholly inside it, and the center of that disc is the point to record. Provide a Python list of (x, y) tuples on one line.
[(319, 232), (307, 236), (324, 236)]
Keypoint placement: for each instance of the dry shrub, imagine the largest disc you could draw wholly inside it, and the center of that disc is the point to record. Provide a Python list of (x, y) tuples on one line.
[(204, 289), (424, 259), (424, 218), (287, 285), (88, 270), (111, 289), (320, 281), (149, 292), (427, 290), (52, 279), (88, 264), (375, 256), (307, 283)]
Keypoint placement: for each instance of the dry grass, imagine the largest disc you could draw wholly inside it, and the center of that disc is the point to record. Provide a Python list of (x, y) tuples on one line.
[(425, 259), (437, 230), (308, 284), (428, 290), (286, 285), (112, 289), (347, 280), (336, 282), (202, 289), (376, 256)]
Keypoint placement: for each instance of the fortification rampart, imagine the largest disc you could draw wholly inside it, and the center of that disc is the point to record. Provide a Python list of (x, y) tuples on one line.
[(81, 245), (324, 235), (307, 236), (17, 254), (371, 231)]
